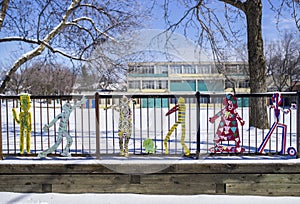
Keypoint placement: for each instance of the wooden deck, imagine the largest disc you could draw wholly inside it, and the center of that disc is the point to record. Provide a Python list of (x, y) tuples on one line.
[(152, 177)]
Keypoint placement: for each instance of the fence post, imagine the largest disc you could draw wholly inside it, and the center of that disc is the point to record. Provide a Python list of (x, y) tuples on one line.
[(1, 153), (198, 123), (298, 124), (97, 125)]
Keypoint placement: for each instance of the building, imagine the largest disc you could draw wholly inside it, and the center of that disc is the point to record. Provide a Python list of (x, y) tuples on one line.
[(168, 77)]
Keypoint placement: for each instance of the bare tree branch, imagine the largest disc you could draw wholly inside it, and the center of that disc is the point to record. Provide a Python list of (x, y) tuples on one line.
[(4, 7), (70, 28)]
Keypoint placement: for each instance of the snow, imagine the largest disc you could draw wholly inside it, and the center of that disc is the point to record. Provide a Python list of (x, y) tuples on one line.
[(29, 198)]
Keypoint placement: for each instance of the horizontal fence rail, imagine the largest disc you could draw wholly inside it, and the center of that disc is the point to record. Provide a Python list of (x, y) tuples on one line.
[(94, 126)]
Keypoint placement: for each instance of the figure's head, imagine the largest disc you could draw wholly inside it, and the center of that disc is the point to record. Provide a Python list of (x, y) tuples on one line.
[(25, 102), (277, 101), (124, 100), (230, 102), (181, 101), (67, 107)]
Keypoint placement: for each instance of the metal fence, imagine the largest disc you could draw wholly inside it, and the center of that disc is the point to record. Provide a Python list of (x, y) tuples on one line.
[(94, 128)]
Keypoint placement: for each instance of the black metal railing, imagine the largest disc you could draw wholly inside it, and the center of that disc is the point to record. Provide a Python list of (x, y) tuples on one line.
[(94, 128)]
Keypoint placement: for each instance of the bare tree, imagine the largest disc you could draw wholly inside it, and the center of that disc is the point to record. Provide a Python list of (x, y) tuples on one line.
[(218, 26), (109, 63), (43, 79), (283, 61), (70, 28)]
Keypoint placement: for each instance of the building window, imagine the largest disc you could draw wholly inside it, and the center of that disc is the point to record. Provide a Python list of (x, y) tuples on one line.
[(203, 69), (189, 69), (161, 69), (162, 84), (244, 84), (231, 69), (148, 70), (134, 84), (228, 84), (176, 69), (148, 84)]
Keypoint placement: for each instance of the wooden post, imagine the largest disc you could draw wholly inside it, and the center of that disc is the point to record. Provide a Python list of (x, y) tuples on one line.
[(198, 124), (97, 125), (298, 124), (1, 153)]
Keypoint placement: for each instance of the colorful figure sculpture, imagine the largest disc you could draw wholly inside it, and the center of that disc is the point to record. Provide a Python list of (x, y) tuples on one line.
[(228, 126), (63, 129), (125, 126), (149, 146), (180, 107), (276, 102), (24, 119)]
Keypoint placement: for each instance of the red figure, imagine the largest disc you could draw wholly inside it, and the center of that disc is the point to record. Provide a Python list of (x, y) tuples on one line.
[(228, 126)]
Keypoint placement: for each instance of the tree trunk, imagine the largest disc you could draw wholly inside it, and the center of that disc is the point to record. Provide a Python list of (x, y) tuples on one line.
[(257, 65)]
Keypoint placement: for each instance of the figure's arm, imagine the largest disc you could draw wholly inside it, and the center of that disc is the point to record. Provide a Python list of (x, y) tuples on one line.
[(15, 116), (174, 109), (46, 127), (212, 119), (114, 107), (240, 119), (29, 121), (108, 107), (81, 102), (287, 111)]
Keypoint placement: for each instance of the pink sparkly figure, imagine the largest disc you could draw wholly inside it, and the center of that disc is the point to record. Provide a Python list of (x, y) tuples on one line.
[(228, 126)]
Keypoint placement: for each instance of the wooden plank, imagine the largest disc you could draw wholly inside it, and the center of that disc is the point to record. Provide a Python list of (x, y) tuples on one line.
[(133, 168), (175, 179), (32, 188), (235, 168), (278, 189), (221, 178), (78, 179), (162, 189)]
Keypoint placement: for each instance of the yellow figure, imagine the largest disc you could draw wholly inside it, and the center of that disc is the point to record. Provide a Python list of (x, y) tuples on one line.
[(24, 119), (180, 107)]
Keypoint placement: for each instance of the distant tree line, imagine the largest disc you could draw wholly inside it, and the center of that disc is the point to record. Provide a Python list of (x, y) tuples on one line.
[(43, 79)]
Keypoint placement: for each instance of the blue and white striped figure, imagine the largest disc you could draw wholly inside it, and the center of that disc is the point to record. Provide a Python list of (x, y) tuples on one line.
[(63, 129), (276, 103)]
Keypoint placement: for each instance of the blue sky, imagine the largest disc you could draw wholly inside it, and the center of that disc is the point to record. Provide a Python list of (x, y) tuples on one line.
[(270, 31)]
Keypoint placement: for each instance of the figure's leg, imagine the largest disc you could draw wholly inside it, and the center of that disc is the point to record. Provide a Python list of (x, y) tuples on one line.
[(66, 151), (267, 137), (186, 149), (21, 140), (168, 136), (121, 136), (28, 137), (237, 141), (283, 141), (217, 147), (127, 138), (53, 147)]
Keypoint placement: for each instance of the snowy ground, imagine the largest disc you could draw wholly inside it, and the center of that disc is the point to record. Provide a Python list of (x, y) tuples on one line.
[(32, 198)]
